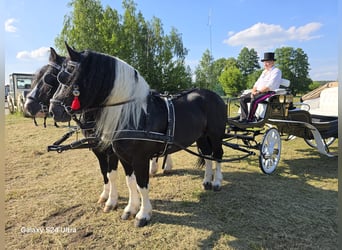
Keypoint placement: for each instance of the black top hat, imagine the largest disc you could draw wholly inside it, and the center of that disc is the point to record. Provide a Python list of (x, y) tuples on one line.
[(268, 56)]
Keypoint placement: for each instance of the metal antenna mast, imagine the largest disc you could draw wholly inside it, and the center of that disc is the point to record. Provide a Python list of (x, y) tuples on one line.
[(210, 35), (211, 51)]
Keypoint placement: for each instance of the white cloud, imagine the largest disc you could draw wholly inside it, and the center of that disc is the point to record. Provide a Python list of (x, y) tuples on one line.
[(262, 36), (39, 54), (9, 25)]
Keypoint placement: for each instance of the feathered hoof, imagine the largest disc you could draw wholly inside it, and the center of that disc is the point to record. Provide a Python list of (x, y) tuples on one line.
[(216, 188), (101, 200), (207, 186), (141, 223), (126, 216), (107, 209)]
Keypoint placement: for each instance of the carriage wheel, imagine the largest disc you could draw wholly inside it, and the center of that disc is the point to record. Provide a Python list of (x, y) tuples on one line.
[(11, 106), (270, 151), (327, 142)]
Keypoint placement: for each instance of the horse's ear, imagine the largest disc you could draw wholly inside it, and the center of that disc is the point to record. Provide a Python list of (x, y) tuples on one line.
[(53, 55), (73, 54)]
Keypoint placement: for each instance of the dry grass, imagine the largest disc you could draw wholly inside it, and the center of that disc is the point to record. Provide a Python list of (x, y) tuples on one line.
[(295, 208)]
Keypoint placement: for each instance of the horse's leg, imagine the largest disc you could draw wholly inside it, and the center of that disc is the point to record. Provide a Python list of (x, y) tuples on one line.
[(45, 121), (204, 147), (102, 159), (133, 202), (168, 164), (112, 166), (217, 181), (35, 121), (208, 175), (142, 178), (153, 166), (112, 200), (217, 154), (145, 212), (107, 163)]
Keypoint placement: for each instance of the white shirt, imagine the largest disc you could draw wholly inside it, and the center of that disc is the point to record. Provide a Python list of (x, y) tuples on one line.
[(269, 78)]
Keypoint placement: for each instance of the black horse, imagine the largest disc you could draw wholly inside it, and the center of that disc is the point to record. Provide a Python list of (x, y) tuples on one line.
[(137, 123), (43, 87)]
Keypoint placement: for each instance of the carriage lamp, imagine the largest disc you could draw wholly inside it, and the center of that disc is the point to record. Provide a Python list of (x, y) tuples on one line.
[(289, 100), (76, 102), (281, 98)]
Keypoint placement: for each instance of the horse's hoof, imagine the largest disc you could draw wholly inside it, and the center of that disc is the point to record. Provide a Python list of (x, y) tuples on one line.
[(216, 188), (107, 209), (207, 186), (167, 172), (140, 222), (101, 200), (126, 215)]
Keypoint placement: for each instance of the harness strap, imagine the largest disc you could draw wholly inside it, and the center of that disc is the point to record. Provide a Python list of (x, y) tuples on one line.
[(170, 132), (142, 136)]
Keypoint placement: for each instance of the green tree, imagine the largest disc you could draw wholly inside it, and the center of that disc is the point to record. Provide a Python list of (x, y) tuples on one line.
[(110, 32), (295, 67), (143, 44), (81, 26), (248, 61), (314, 85), (204, 71), (218, 67), (231, 80)]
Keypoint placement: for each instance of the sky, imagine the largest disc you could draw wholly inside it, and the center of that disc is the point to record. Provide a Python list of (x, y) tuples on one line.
[(223, 27)]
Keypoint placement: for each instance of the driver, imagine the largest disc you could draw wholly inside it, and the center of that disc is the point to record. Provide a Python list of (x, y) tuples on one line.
[(268, 81)]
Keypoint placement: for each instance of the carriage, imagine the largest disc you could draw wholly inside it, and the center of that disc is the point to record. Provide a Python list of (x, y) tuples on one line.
[(277, 117)]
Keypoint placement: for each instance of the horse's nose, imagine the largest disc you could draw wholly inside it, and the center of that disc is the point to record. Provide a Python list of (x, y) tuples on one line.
[(27, 105)]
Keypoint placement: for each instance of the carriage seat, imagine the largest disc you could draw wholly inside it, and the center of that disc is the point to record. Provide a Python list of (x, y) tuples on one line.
[(326, 104), (261, 109)]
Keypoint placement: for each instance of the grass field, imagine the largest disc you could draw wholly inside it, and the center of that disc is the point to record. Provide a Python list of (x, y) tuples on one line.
[(50, 200)]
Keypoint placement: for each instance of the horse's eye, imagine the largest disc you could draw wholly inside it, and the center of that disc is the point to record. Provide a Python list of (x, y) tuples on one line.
[(70, 68)]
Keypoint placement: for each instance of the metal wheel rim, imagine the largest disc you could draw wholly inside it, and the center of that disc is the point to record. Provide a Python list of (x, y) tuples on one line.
[(270, 151)]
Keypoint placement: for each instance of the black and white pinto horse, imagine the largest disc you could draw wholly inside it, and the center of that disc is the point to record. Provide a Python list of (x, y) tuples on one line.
[(37, 104), (137, 123)]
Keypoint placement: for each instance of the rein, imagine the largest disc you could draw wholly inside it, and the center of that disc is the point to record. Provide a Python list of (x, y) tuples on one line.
[(72, 112), (109, 105)]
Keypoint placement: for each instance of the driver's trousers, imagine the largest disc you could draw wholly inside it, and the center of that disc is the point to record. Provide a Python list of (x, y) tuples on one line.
[(254, 101)]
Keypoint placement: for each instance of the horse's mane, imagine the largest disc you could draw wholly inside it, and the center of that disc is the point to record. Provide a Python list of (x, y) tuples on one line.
[(115, 81)]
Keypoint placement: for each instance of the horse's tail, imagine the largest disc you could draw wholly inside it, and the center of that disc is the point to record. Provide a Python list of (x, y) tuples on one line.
[(200, 162)]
